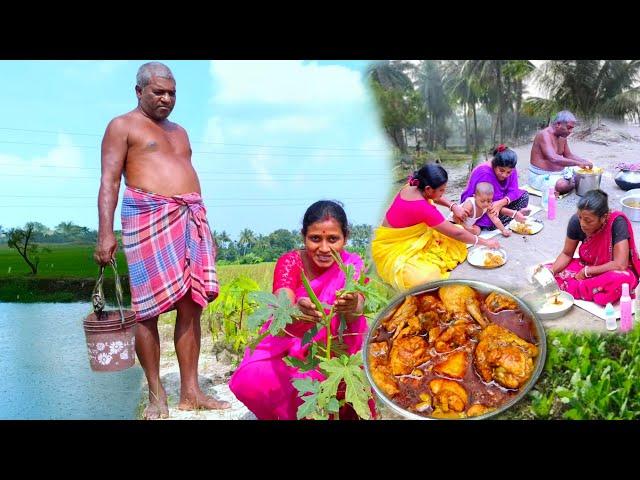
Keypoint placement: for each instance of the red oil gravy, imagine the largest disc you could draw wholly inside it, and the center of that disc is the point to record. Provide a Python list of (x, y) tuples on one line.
[(490, 394)]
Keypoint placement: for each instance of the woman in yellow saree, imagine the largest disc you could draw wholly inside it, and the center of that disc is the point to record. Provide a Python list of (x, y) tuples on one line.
[(415, 243)]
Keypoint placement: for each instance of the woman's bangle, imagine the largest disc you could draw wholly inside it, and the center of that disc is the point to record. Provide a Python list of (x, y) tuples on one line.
[(514, 214), (586, 272), (508, 200), (476, 242), (451, 206)]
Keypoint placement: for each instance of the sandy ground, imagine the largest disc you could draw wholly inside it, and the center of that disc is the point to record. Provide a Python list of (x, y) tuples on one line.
[(607, 147), (525, 251)]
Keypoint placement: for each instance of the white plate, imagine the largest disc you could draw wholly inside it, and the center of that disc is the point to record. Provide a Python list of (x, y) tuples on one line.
[(477, 255), (535, 226)]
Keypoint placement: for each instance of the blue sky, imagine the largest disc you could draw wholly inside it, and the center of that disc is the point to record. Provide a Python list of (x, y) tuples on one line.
[(269, 138)]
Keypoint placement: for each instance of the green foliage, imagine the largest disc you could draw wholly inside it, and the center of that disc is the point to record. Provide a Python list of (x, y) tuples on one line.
[(230, 309), (320, 398), (587, 376)]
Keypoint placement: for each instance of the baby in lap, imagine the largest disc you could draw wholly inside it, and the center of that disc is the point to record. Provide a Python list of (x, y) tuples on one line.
[(477, 205)]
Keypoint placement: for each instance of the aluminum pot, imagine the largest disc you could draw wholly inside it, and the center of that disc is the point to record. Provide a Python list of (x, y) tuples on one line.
[(627, 179), (632, 212), (586, 182), (484, 288)]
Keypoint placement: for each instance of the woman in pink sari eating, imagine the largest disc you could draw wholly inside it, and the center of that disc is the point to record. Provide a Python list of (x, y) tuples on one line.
[(263, 381), (608, 254)]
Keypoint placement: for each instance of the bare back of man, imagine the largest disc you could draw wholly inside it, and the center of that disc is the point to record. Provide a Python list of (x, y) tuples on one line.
[(154, 155)]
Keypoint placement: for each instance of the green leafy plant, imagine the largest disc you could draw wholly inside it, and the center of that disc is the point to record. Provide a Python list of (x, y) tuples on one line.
[(320, 398), (587, 376), (229, 313)]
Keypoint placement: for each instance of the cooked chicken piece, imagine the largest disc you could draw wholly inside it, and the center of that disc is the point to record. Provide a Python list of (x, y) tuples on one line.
[(431, 311), (478, 409), (434, 333), (454, 366), (384, 379), (455, 336), (425, 403), (437, 413), (402, 315), (497, 302), (407, 353), (504, 357), (448, 395), (461, 301), (379, 352)]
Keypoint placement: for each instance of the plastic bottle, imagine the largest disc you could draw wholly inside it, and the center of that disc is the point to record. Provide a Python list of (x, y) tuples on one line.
[(545, 193), (610, 317), (625, 309), (551, 203)]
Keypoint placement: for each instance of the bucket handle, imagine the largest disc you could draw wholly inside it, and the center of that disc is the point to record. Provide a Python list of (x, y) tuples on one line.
[(98, 293)]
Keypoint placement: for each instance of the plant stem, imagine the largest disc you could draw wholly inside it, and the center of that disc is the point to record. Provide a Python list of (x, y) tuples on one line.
[(329, 336)]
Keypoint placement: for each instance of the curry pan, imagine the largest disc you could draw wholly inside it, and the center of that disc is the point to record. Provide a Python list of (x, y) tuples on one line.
[(484, 288)]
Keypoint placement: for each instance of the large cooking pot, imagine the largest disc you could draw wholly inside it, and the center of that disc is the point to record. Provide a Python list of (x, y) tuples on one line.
[(484, 288), (587, 181), (631, 206)]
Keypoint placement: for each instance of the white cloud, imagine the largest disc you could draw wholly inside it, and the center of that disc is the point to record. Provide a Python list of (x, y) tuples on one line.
[(285, 81), (297, 124), (60, 161), (214, 133)]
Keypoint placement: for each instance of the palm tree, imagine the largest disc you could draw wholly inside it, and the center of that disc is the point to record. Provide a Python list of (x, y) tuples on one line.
[(516, 71), (589, 88), (392, 88), (436, 102), (464, 88), (247, 238)]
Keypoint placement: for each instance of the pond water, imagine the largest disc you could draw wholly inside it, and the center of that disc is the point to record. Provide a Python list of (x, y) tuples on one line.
[(45, 372)]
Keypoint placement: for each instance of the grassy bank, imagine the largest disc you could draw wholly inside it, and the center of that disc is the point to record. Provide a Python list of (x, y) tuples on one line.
[(68, 272)]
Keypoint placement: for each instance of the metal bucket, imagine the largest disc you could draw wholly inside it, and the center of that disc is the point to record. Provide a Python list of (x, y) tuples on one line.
[(484, 288), (110, 335), (586, 182)]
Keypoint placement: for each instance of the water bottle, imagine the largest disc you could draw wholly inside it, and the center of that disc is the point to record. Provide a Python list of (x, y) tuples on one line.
[(545, 193), (625, 309), (610, 317), (552, 203)]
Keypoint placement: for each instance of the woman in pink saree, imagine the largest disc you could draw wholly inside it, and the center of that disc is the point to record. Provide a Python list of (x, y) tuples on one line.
[(263, 381), (608, 254)]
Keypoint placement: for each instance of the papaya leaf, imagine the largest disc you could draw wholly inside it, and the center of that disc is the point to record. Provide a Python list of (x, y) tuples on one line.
[(349, 369)]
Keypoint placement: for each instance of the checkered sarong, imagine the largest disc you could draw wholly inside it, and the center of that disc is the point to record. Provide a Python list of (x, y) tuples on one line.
[(169, 249)]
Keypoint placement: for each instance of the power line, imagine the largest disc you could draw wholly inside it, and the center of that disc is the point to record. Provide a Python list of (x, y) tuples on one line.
[(243, 154), (213, 172), (218, 180), (209, 207), (209, 143), (212, 199)]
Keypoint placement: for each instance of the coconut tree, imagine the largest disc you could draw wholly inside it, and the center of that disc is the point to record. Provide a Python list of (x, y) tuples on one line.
[(589, 88), (247, 238), (393, 88), (436, 101)]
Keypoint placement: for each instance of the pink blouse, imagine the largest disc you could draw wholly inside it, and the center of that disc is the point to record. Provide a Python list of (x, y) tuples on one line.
[(406, 213), (287, 273)]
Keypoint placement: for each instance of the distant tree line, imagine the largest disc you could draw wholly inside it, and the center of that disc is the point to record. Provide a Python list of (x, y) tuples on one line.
[(247, 249), (256, 248)]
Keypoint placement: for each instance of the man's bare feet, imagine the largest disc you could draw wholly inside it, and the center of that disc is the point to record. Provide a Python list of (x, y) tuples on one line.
[(157, 407), (199, 401), (156, 411)]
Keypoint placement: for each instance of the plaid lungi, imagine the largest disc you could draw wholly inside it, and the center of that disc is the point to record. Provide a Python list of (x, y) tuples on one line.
[(169, 249)]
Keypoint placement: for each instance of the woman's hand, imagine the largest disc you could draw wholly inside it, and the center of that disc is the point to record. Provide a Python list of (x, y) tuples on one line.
[(492, 243), (580, 275), (459, 212), (494, 208), (347, 303), (309, 311), (520, 218)]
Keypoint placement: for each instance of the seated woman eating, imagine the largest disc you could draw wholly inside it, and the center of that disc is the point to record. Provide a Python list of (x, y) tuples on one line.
[(509, 201), (415, 243), (263, 381), (608, 255)]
